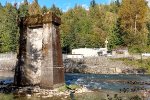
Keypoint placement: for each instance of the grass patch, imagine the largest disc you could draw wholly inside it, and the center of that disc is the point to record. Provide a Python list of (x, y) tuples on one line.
[(63, 88), (136, 63), (109, 95), (68, 87), (6, 97), (73, 86)]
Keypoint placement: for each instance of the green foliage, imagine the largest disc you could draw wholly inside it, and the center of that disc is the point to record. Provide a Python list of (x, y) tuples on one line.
[(73, 86), (68, 87), (75, 28), (1, 5), (23, 9), (91, 28), (9, 31), (56, 10), (139, 49), (122, 23), (63, 88), (34, 8), (115, 37), (6, 97), (44, 10), (81, 28), (114, 6), (26, 2), (92, 3), (143, 64), (148, 26)]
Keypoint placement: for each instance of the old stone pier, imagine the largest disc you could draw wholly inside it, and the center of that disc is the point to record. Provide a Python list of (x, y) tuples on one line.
[(40, 57)]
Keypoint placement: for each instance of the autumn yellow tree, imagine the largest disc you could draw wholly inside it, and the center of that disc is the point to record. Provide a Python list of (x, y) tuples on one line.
[(34, 8), (133, 21)]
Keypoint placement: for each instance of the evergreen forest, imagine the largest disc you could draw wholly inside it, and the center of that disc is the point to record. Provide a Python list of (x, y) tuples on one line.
[(125, 24)]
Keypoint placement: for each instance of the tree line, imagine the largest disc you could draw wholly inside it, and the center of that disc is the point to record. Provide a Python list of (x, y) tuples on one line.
[(123, 24)]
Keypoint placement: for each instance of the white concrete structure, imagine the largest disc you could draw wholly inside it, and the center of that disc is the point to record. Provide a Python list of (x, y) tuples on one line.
[(90, 52), (146, 54), (103, 51), (77, 56), (119, 53)]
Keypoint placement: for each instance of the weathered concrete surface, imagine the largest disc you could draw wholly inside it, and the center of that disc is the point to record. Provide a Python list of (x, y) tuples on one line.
[(39, 57), (34, 54)]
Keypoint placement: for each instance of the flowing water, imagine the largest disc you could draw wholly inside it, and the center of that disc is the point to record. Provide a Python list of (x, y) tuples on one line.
[(99, 83), (6, 76), (109, 82)]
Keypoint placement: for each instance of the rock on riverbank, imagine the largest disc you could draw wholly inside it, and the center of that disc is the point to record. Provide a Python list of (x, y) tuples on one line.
[(36, 91), (95, 65), (99, 65)]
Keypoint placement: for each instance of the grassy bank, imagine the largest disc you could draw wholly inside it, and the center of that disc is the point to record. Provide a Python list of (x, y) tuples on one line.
[(6, 96), (109, 95), (99, 95), (137, 63)]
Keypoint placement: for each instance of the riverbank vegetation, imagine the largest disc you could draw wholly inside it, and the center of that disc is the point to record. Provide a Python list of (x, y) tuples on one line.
[(68, 87), (110, 96), (123, 24), (6, 96), (143, 64), (84, 96)]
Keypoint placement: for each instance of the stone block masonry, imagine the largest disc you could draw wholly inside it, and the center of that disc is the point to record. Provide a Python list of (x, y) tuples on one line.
[(40, 56)]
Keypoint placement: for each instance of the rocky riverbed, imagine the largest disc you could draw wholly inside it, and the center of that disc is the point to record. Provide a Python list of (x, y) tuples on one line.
[(99, 65), (95, 65), (82, 93), (82, 87), (63, 92)]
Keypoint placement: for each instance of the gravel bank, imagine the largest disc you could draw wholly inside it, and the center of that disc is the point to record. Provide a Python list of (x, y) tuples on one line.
[(95, 65), (98, 65)]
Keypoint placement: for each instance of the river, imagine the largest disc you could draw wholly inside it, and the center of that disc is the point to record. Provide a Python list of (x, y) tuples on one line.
[(102, 84), (113, 82)]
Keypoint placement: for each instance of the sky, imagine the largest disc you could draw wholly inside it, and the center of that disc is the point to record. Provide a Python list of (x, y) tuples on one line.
[(62, 4)]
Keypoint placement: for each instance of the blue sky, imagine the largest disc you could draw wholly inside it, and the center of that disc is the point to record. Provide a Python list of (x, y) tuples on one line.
[(62, 4)]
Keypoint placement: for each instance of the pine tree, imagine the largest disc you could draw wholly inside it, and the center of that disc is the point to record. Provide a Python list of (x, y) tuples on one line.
[(1, 5), (92, 3), (148, 26), (23, 9), (26, 2), (117, 2), (115, 38), (34, 8), (56, 10), (114, 6), (44, 9), (36, 1), (8, 29)]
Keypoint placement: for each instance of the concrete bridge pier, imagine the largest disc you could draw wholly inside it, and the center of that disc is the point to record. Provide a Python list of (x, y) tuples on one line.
[(40, 56)]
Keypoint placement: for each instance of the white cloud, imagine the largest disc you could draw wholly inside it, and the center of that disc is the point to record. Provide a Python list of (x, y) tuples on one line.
[(67, 7), (148, 2), (109, 1), (85, 6), (18, 2)]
